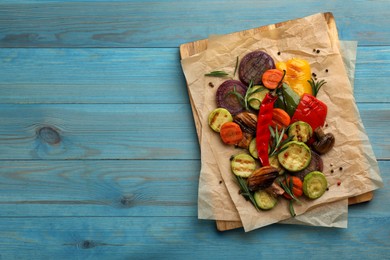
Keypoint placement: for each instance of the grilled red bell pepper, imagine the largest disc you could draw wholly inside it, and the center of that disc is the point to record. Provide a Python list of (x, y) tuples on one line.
[(263, 134), (310, 110)]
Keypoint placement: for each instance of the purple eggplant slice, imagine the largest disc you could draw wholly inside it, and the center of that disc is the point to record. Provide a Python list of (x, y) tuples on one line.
[(230, 96), (253, 65)]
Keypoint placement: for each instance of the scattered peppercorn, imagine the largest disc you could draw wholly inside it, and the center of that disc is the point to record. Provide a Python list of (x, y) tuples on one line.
[(327, 189), (278, 52), (314, 75), (314, 50), (332, 171), (338, 183), (318, 51), (326, 70), (211, 84), (331, 164), (220, 182), (341, 168), (326, 125)]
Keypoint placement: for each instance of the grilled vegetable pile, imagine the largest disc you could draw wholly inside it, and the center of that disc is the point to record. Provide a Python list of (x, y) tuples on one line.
[(273, 115)]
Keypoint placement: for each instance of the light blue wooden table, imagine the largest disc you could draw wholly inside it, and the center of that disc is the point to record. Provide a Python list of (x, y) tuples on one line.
[(98, 152)]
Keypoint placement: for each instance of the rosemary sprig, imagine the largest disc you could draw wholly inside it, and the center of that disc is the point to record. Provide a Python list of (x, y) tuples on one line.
[(277, 141), (316, 85), (235, 68), (288, 189), (244, 190), (247, 94), (238, 95), (217, 73), (242, 99)]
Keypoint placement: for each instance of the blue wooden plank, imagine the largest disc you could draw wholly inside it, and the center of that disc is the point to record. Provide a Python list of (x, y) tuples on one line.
[(91, 76), (138, 188), (135, 131), (186, 238), (147, 75), (171, 23)]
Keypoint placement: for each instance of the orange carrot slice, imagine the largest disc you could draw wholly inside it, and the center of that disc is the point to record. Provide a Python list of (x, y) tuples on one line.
[(271, 78), (280, 118), (231, 133)]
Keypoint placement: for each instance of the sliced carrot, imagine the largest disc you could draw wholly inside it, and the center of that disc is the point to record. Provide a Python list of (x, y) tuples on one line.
[(231, 133), (296, 189), (271, 78), (280, 118)]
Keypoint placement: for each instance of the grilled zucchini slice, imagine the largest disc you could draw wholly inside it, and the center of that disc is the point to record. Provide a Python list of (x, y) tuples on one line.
[(243, 165), (218, 117), (314, 185), (265, 200), (295, 156), (301, 131)]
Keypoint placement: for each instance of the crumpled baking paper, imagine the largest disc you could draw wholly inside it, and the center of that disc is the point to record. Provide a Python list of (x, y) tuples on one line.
[(352, 152)]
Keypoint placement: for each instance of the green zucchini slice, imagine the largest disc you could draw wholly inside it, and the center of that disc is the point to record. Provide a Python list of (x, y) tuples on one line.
[(243, 165), (301, 131), (295, 156), (257, 96), (314, 185), (218, 117), (253, 148), (265, 200)]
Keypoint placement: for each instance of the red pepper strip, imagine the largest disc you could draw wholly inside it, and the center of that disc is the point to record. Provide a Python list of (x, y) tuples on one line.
[(263, 134), (310, 110)]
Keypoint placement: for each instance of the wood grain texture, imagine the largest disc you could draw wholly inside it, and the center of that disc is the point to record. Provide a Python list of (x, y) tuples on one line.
[(106, 184), (124, 131), (171, 23), (115, 75), (137, 188), (185, 238)]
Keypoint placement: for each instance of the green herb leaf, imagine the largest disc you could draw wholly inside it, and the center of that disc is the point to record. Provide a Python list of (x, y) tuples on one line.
[(246, 192), (277, 141), (217, 73), (292, 211), (240, 98), (247, 95), (316, 85), (235, 68), (287, 189)]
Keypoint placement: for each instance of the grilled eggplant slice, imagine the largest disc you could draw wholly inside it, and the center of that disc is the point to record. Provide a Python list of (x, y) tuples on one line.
[(253, 65), (230, 96)]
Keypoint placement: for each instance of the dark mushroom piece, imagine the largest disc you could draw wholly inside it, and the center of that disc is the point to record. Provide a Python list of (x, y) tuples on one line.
[(324, 142)]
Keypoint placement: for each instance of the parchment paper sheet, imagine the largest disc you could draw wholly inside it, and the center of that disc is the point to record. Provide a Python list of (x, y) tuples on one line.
[(352, 151)]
